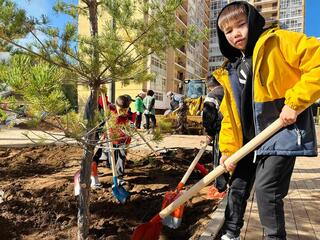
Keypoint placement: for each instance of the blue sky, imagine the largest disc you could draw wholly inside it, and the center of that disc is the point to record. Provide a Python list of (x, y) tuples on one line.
[(36, 8), (312, 27)]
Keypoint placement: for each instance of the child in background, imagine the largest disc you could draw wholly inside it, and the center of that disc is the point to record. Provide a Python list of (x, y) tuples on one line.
[(103, 153), (139, 108), (120, 139), (270, 74), (211, 120), (149, 112)]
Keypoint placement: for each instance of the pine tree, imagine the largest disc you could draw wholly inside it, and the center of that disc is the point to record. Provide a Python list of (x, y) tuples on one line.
[(122, 34)]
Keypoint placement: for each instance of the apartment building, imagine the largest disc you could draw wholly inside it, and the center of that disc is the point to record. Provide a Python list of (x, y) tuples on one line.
[(289, 14), (188, 62)]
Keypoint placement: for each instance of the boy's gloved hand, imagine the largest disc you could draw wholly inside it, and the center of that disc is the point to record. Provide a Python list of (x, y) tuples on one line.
[(229, 167)]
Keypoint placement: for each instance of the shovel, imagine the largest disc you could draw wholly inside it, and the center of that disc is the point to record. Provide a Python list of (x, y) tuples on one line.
[(201, 169), (118, 191), (174, 219), (146, 142), (151, 230)]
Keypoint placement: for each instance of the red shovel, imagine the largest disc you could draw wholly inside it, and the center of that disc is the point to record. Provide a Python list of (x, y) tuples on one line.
[(174, 219), (201, 169), (152, 229)]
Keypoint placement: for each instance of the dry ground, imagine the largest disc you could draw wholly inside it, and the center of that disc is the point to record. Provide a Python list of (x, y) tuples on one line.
[(39, 202)]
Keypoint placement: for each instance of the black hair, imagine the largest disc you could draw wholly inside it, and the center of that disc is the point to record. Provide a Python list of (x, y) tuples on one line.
[(122, 101), (150, 93)]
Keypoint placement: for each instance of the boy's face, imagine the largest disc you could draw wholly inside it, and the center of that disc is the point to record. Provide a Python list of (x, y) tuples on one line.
[(236, 32), (122, 111)]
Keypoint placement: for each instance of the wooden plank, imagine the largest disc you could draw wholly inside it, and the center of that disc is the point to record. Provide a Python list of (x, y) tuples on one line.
[(302, 202), (291, 228)]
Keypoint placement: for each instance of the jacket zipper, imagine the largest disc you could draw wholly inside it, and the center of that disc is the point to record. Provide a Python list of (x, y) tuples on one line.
[(299, 137), (253, 109), (262, 46)]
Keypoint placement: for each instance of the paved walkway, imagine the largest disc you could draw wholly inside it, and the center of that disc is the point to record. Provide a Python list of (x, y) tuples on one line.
[(302, 209), (301, 205), (14, 137)]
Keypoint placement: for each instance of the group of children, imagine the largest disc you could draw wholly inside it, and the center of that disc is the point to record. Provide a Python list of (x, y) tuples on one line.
[(145, 105), (118, 130)]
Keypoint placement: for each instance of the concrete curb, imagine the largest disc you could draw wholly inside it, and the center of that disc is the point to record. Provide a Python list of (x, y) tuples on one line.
[(217, 219)]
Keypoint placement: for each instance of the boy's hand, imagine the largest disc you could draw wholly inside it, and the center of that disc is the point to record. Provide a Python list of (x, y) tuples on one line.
[(208, 139), (230, 167), (288, 115)]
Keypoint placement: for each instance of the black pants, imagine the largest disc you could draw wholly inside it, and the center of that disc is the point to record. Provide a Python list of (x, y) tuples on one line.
[(221, 182), (272, 178), (120, 158), (153, 120), (138, 120)]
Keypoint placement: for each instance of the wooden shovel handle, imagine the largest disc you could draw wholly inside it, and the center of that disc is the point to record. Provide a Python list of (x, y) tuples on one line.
[(193, 164), (142, 137), (113, 162), (236, 157)]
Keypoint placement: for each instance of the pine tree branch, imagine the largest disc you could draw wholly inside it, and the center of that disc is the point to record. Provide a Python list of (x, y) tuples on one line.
[(65, 66)]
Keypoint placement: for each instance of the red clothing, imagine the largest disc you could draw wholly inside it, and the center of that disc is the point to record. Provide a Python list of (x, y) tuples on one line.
[(118, 134), (109, 104)]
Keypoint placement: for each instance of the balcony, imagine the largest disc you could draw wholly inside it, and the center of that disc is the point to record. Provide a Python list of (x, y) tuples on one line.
[(269, 10), (180, 21), (262, 2), (181, 51), (205, 52), (185, 5), (182, 11), (180, 76), (180, 63)]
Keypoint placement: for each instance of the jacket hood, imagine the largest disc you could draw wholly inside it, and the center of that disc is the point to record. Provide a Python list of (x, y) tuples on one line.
[(255, 27)]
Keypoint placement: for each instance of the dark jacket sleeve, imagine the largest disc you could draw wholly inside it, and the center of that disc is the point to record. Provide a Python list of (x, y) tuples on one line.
[(151, 104), (209, 118)]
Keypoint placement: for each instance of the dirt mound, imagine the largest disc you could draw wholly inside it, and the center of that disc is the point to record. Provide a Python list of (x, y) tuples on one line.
[(39, 202)]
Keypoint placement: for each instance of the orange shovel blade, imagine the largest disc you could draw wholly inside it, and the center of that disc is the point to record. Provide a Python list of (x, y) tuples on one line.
[(148, 231), (174, 219)]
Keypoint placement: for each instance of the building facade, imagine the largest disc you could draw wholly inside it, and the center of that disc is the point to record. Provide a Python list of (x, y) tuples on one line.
[(187, 62), (289, 14)]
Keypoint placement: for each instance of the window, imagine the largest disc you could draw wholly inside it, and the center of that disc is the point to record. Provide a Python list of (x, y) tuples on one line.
[(158, 96)]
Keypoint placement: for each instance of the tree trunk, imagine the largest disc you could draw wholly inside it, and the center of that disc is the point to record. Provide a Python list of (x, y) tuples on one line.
[(84, 196), (85, 172)]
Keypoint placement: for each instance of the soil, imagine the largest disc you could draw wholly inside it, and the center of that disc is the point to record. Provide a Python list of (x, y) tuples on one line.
[(39, 202)]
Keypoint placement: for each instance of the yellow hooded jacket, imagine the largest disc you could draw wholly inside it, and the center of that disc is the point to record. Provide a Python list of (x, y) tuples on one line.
[(286, 70)]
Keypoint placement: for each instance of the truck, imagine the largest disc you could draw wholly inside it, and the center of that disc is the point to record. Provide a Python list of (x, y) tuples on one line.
[(194, 92)]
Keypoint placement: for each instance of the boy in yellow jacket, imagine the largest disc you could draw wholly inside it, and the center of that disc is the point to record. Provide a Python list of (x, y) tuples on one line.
[(270, 73)]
